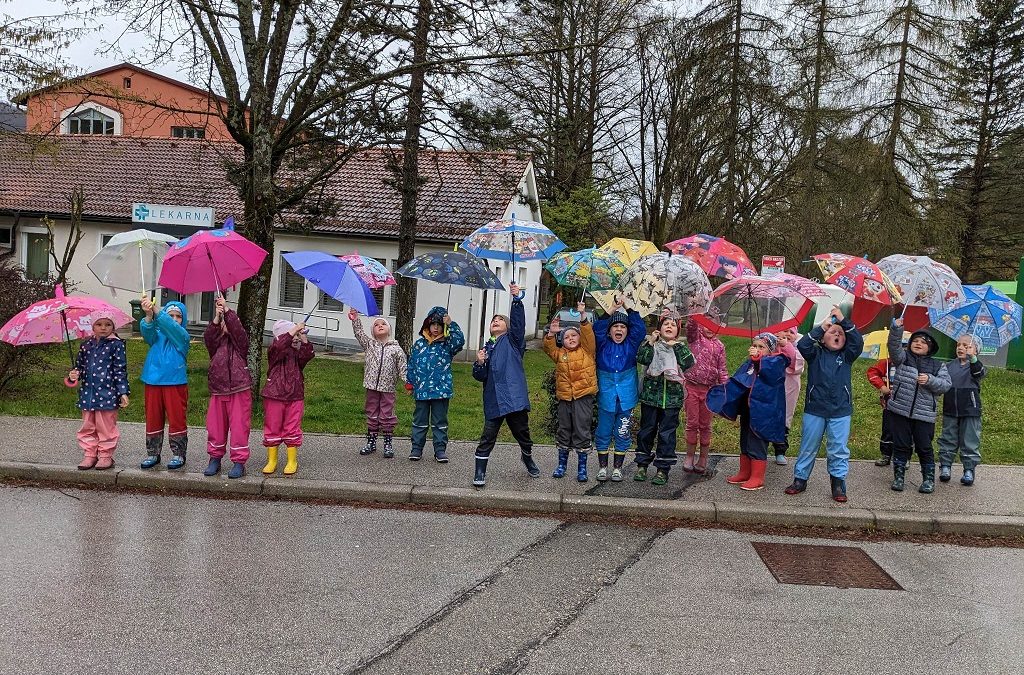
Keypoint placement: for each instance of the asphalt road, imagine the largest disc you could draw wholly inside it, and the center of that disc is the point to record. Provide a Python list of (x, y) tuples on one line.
[(98, 582)]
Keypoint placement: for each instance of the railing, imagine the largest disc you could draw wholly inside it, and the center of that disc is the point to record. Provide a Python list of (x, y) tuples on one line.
[(318, 324)]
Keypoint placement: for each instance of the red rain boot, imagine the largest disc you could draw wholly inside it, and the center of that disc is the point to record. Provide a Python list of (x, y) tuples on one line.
[(757, 469), (744, 473)]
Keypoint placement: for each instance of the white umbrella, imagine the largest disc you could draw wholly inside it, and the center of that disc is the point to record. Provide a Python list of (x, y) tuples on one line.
[(923, 282), (132, 260)]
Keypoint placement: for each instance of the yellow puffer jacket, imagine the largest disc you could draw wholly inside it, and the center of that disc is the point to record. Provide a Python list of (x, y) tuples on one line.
[(575, 370)]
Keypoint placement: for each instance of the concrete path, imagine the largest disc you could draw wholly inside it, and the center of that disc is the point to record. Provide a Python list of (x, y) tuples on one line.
[(331, 468)]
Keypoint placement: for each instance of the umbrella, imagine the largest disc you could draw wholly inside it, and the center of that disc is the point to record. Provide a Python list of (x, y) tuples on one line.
[(667, 281), (922, 282), (59, 319), (125, 260), (335, 277), (629, 251), (876, 344), (869, 286), (455, 268), (987, 314), (751, 304), (717, 256), (512, 240), (588, 269), (369, 270), (211, 260)]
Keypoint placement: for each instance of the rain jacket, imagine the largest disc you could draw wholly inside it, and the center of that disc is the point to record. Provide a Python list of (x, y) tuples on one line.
[(284, 369), (102, 373), (793, 374), (830, 374), (910, 399), (878, 376), (617, 380), (228, 372), (430, 362), (964, 397), (576, 369), (385, 361), (658, 391), (763, 383), (709, 366), (168, 347), (502, 372)]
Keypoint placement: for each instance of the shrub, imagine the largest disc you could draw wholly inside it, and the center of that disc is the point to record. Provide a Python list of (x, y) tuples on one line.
[(17, 293)]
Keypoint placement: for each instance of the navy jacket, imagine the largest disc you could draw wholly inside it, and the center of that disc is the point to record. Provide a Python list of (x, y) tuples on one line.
[(829, 374), (763, 384), (102, 373), (502, 373), (964, 398)]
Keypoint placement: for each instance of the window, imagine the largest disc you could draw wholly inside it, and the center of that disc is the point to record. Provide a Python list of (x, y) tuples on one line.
[(188, 132), (127, 82), (105, 239), (37, 255), (90, 122), (293, 287), (330, 304), (5, 236)]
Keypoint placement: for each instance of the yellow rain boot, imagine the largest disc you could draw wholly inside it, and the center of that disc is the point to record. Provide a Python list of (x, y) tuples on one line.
[(293, 461), (271, 466)]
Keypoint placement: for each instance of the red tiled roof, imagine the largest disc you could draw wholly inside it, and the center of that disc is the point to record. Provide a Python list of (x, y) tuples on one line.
[(462, 190)]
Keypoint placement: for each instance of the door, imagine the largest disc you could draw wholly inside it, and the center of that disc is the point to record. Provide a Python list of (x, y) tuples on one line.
[(37, 255)]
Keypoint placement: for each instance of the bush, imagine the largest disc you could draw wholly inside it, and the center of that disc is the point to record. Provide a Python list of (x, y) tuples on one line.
[(17, 293)]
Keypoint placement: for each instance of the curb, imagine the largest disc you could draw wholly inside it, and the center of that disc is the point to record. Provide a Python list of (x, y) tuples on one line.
[(901, 522)]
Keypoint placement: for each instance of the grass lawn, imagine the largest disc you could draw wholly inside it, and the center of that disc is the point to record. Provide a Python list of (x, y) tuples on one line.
[(334, 402)]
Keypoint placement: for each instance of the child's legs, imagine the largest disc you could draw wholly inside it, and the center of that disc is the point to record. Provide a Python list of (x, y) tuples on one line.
[(217, 426), (519, 425), (885, 441), (420, 424), (372, 408), (488, 437), (156, 414), (924, 432), (837, 452), (388, 419), (87, 434), (692, 404), (240, 421), (107, 433), (582, 420), (292, 429), (902, 438), (603, 435), (439, 423), (970, 446), (650, 416), (667, 426), (705, 423), (563, 435), (623, 432), (175, 398), (949, 440), (751, 445), (812, 428), (273, 422)]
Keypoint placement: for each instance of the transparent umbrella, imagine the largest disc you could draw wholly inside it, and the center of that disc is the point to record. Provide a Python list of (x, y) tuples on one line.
[(131, 261)]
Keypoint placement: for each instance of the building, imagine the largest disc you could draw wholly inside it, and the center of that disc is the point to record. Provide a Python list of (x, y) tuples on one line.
[(462, 191), (11, 118)]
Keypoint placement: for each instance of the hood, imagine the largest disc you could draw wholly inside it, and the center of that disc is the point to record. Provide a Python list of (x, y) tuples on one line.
[(436, 314), (933, 345), (181, 308)]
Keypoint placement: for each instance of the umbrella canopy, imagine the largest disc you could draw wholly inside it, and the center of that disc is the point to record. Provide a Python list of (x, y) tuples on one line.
[(210, 260), (717, 256), (870, 287), (511, 240), (923, 282), (876, 344), (629, 251), (335, 277), (665, 281), (591, 268), (990, 316), (456, 268), (369, 270), (751, 305), (131, 261)]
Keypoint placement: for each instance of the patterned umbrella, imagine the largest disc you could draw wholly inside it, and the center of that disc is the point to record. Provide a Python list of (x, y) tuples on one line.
[(589, 269), (666, 281), (513, 240), (923, 282), (211, 260), (369, 270), (752, 304), (986, 313), (869, 286), (457, 268), (716, 256), (629, 251)]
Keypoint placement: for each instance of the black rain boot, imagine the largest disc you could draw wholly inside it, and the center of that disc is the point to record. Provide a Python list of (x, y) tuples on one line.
[(602, 466), (154, 444), (531, 466), (371, 443), (389, 450), (480, 475), (927, 479), (581, 470), (838, 489), (563, 461), (899, 475)]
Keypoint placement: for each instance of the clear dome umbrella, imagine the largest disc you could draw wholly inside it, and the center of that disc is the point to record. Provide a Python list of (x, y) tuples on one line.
[(131, 261)]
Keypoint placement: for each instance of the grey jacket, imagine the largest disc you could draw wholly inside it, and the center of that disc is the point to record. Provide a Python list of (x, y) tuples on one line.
[(908, 398)]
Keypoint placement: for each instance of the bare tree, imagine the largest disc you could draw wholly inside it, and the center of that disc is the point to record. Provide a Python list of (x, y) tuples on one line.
[(62, 262)]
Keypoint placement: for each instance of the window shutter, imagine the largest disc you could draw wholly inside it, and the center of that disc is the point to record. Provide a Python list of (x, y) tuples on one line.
[(293, 286)]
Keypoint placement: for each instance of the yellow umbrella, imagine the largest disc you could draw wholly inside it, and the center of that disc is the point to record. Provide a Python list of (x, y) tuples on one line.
[(875, 344), (628, 251)]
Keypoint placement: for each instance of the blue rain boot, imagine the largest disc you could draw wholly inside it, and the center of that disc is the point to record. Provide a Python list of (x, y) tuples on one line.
[(213, 468), (968, 478), (237, 470), (150, 461), (563, 460), (581, 472)]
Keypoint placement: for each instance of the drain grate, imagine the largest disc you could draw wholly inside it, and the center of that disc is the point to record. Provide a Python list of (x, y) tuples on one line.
[(810, 565)]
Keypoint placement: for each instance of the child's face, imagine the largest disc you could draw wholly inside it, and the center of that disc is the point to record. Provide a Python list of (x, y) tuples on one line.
[(919, 346), (835, 338), (965, 347), (618, 333), (571, 340), (174, 314), (296, 342), (761, 347), (381, 329), (669, 330), (435, 330), (707, 333), (102, 328), (498, 327)]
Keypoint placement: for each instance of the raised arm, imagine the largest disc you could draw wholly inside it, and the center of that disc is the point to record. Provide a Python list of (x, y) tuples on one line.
[(276, 351), (808, 345), (587, 338), (897, 355), (357, 329), (456, 339), (517, 329), (236, 332), (173, 331), (637, 329), (854, 341)]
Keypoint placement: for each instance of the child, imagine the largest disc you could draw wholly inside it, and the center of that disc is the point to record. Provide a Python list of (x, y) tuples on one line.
[(879, 377), (385, 364), (709, 370), (789, 336), (756, 394), (230, 391), (829, 351), (618, 338), (499, 365), (919, 379), (666, 358), (429, 376), (165, 375), (575, 385), (101, 368), (284, 393), (961, 412)]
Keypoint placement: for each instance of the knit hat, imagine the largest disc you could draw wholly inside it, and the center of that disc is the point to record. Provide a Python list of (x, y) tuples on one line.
[(618, 317), (282, 326), (386, 322), (669, 317), (770, 340), (502, 317)]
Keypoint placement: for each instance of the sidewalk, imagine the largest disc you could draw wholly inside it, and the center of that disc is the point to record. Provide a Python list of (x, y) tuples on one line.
[(330, 468)]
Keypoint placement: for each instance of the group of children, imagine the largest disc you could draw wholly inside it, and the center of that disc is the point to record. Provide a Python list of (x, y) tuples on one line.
[(595, 367)]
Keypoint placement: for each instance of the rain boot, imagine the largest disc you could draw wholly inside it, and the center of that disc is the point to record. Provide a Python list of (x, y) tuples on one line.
[(602, 465), (237, 470), (756, 480), (581, 470), (838, 489), (563, 460), (292, 465), (480, 474), (701, 465), (617, 462), (271, 466), (691, 450), (899, 476), (927, 479), (213, 468), (744, 472), (531, 466), (154, 444), (798, 485), (389, 450), (371, 443), (179, 447), (968, 477), (945, 473)]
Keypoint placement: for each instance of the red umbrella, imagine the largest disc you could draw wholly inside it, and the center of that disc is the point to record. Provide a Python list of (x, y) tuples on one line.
[(716, 256), (870, 287), (751, 305)]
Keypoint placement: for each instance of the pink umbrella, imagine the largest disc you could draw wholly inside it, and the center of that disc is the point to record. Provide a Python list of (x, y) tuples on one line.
[(211, 260), (59, 319), (369, 270)]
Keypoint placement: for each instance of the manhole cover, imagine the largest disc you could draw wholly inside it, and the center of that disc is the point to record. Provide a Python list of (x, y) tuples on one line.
[(839, 566)]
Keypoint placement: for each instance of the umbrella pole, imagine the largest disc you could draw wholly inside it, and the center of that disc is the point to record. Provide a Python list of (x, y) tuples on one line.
[(216, 278), (67, 337), (312, 310), (449, 301)]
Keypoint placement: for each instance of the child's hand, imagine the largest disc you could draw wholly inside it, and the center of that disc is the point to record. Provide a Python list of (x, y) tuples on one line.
[(447, 320), (73, 375), (481, 355), (148, 307), (837, 314), (581, 307), (555, 326), (885, 390), (298, 328), (898, 323), (352, 314), (653, 337), (922, 379), (753, 351), (618, 303), (124, 401)]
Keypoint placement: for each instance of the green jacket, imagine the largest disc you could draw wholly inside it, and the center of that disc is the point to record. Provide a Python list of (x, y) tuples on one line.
[(657, 391)]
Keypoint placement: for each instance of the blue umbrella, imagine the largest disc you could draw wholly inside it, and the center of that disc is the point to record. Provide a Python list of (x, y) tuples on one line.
[(990, 316), (510, 239), (334, 277), (451, 267)]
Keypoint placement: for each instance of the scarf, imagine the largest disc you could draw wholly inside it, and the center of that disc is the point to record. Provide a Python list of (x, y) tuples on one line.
[(665, 363)]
